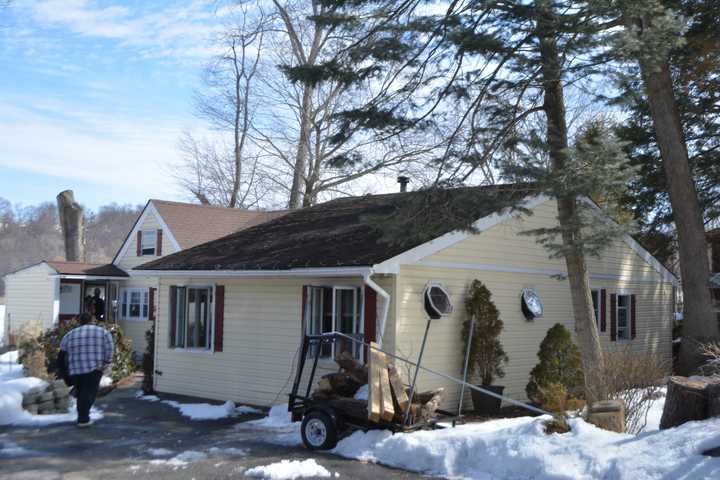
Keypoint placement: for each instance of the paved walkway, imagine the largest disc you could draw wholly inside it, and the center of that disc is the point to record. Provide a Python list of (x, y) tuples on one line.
[(120, 446)]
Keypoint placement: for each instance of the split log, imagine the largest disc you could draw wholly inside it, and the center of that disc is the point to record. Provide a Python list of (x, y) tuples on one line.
[(685, 401), (426, 411), (352, 367), (398, 389), (350, 407), (339, 383), (72, 221)]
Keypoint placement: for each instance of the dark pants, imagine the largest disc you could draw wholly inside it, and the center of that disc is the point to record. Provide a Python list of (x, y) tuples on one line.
[(86, 385)]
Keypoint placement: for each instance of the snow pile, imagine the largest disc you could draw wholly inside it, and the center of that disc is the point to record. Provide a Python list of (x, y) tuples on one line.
[(519, 448), (230, 451), (148, 398), (207, 411), (362, 393), (160, 452), (105, 381), (279, 426), (12, 386), (655, 412), (289, 470)]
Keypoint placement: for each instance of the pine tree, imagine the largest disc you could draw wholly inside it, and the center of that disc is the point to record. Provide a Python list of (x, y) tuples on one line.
[(559, 363)]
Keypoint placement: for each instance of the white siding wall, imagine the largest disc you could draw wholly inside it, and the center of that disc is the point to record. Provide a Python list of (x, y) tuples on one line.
[(30, 294), (262, 333), (131, 259), (501, 246)]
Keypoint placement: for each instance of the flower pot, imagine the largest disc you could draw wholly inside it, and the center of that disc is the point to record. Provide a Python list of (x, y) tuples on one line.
[(485, 404)]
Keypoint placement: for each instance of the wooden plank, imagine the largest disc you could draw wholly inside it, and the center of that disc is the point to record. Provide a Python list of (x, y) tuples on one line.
[(388, 409), (374, 389), (398, 389)]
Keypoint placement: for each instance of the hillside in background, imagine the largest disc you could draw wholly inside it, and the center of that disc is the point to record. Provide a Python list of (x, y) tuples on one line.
[(29, 234)]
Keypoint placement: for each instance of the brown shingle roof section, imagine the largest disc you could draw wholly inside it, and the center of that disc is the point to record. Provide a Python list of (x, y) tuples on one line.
[(193, 224), (89, 269), (346, 231)]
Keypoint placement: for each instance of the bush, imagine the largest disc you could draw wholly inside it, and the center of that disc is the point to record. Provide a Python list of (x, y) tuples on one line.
[(31, 353), (711, 352), (559, 364), (48, 343), (148, 361), (487, 355), (636, 379)]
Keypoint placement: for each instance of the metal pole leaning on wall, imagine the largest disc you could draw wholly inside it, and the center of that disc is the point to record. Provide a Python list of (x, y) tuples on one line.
[(417, 369), (467, 359)]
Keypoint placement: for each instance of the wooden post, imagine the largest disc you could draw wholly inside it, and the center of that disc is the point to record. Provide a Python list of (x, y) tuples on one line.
[(72, 221)]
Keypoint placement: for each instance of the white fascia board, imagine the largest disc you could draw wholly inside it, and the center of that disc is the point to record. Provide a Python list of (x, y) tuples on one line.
[(131, 238), (666, 274), (295, 272), (87, 277), (49, 269), (416, 254)]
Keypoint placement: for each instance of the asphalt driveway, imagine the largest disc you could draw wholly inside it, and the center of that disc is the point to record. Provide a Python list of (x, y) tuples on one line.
[(141, 439)]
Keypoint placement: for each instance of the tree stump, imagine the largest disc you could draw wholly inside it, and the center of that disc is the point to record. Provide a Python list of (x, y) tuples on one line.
[(72, 221), (685, 401), (712, 392), (608, 415)]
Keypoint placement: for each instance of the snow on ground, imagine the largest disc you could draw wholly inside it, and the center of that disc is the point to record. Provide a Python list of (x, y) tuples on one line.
[(181, 460), (207, 411), (10, 449), (148, 398), (12, 386), (655, 412), (519, 448), (229, 451), (289, 470), (105, 381), (160, 452), (276, 426)]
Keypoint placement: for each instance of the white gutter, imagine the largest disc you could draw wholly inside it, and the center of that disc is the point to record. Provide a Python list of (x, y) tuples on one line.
[(294, 272), (87, 277), (386, 304)]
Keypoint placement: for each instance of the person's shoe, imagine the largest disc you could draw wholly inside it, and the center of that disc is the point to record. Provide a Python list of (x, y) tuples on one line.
[(85, 424)]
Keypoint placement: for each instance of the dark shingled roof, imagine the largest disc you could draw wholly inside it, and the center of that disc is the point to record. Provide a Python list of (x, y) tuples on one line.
[(89, 269), (346, 232)]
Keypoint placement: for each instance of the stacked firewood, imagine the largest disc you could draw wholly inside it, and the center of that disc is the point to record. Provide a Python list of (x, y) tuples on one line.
[(387, 399)]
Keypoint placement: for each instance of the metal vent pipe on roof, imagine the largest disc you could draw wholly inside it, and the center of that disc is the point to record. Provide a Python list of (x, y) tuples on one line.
[(403, 181)]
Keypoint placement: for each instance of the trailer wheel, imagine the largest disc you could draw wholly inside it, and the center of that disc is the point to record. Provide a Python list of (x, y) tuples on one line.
[(319, 431)]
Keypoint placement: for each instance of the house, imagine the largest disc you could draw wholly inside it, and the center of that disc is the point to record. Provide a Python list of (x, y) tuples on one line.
[(231, 312), (53, 291)]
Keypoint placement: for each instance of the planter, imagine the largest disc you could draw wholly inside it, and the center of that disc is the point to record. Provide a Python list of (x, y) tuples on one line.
[(485, 404)]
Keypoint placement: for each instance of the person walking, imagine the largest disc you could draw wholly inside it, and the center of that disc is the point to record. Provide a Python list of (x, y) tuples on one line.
[(89, 350)]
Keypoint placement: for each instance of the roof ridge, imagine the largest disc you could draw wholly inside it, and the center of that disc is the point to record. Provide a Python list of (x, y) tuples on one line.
[(216, 207)]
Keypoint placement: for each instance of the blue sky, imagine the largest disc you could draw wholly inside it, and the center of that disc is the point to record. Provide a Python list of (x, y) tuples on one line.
[(95, 94)]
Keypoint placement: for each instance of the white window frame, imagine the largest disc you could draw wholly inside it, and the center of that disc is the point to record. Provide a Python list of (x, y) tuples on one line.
[(151, 238), (125, 296), (358, 313), (211, 319), (628, 309)]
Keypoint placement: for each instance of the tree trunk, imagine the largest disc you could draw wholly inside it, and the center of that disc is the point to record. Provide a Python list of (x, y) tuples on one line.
[(302, 150), (72, 221), (685, 401), (554, 105), (699, 324), (713, 398)]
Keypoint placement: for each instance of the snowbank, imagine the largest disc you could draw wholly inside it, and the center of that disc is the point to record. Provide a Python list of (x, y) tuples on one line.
[(12, 386), (289, 470), (277, 427), (518, 448)]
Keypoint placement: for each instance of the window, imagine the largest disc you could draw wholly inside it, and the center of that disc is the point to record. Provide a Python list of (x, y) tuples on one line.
[(596, 305), (148, 242), (437, 301), (623, 317), (335, 309), (193, 318), (134, 303)]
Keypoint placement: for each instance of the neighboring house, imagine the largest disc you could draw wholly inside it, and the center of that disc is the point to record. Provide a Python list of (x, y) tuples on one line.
[(232, 312), (49, 292)]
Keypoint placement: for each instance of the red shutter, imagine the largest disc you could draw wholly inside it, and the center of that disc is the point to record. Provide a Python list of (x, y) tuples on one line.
[(613, 317), (633, 329), (219, 316), (139, 243), (158, 244), (370, 320), (603, 310), (173, 315), (151, 304)]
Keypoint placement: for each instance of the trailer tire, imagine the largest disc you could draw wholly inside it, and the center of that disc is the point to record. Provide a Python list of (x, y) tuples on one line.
[(319, 431)]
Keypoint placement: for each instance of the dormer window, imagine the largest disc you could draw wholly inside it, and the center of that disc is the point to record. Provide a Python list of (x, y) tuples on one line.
[(148, 242)]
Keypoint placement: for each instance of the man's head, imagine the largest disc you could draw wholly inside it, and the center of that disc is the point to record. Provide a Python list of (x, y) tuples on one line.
[(96, 292), (85, 318)]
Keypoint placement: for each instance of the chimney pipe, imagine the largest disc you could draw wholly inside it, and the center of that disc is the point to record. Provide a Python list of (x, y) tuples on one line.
[(403, 181)]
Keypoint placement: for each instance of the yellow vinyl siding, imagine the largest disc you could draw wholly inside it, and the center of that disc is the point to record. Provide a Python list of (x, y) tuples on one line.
[(30, 295), (508, 262), (131, 259), (262, 334)]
